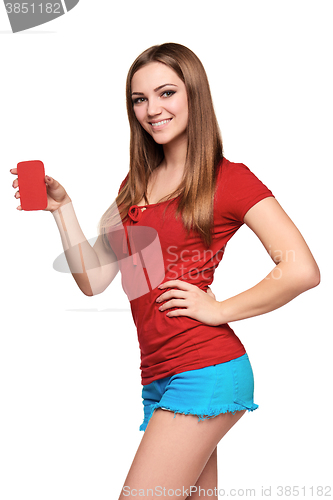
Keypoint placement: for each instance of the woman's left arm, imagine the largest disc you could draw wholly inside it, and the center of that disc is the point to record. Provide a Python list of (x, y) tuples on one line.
[(295, 272)]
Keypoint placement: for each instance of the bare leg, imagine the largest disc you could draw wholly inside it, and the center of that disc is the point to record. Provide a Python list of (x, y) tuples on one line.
[(173, 454), (207, 479)]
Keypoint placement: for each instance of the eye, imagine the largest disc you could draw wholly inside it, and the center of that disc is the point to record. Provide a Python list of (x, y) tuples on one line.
[(138, 100), (168, 93)]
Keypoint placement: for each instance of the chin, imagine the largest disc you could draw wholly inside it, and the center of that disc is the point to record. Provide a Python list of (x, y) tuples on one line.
[(161, 141), (165, 139)]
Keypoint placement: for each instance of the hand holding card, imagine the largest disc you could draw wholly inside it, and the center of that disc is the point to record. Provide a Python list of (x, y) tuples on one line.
[(37, 191)]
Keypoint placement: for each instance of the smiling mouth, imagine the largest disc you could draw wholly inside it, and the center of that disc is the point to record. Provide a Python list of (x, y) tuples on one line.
[(159, 124)]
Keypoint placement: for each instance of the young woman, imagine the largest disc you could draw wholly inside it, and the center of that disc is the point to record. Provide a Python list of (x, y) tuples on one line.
[(179, 204)]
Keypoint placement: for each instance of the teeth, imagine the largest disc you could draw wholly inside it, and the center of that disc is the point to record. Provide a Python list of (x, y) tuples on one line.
[(160, 123)]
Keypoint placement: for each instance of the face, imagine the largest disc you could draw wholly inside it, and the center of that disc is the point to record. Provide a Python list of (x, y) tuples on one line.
[(160, 103)]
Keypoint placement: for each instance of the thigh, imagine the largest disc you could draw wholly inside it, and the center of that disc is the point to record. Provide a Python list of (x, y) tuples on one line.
[(206, 484), (173, 452)]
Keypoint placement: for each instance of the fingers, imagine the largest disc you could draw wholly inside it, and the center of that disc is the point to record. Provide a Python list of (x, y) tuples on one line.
[(171, 293), (182, 285), (15, 185), (17, 196), (15, 182), (173, 303)]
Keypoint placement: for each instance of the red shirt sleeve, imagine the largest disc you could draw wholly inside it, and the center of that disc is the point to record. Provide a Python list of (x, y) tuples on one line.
[(240, 190)]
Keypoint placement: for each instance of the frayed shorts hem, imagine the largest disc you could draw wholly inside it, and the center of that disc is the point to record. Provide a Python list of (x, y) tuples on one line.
[(205, 392), (202, 415)]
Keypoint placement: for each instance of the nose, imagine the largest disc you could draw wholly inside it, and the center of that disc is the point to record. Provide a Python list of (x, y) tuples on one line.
[(154, 108)]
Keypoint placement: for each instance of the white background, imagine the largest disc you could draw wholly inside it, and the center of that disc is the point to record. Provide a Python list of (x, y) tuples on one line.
[(70, 388)]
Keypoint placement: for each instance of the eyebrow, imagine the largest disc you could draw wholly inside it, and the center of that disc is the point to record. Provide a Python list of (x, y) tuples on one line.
[(157, 88)]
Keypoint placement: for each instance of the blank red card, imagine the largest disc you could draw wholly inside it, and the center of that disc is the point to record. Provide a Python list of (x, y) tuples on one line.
[(31, 184)]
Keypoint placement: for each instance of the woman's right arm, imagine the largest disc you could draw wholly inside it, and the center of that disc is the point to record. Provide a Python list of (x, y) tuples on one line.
[(93, 268)]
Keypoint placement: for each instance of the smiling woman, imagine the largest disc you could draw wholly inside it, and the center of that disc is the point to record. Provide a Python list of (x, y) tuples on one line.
[(176, 209), (192, 363)]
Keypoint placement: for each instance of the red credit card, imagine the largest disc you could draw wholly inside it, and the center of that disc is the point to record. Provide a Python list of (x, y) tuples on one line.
[(31, 184)]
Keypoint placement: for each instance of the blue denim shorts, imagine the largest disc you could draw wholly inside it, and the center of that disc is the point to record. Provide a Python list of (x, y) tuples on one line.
[(207, 392)]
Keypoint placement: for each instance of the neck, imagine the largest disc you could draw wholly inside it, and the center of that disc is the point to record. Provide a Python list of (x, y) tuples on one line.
[(175, 156)]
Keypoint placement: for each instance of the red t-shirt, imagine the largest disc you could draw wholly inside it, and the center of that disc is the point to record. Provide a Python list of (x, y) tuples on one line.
[(153, 248)]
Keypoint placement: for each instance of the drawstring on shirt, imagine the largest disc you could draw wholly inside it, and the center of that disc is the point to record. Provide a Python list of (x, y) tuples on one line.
[(135, 214)]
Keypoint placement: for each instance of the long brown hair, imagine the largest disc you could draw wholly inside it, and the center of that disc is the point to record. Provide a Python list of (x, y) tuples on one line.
[(204, 145)]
